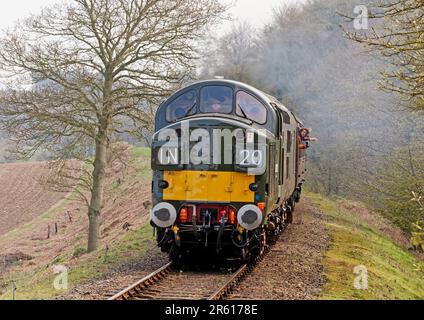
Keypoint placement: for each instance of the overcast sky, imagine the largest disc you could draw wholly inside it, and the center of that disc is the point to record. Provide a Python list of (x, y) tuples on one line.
[(258, 12)]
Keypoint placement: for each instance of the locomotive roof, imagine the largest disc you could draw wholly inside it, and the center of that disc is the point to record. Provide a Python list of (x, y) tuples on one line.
[(268, 100), (264, 96)]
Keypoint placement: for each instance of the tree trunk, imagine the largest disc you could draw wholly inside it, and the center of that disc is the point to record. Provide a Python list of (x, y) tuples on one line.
[(96, 202)]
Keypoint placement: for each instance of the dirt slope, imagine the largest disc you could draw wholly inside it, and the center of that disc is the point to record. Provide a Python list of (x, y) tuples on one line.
[(22, 197), (30, 210)]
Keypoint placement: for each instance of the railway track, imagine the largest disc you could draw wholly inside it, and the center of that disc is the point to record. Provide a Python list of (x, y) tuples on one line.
[(167, 283)]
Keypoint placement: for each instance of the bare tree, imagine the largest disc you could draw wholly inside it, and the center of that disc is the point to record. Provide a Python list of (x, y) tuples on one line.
[(398, 37), (232, 55), (83, 72)]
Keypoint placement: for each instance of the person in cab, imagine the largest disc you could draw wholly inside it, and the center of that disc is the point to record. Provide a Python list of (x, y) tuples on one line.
[(305, 138)]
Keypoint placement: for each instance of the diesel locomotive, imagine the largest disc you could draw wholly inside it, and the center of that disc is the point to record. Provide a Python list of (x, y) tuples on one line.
[(227, 171)]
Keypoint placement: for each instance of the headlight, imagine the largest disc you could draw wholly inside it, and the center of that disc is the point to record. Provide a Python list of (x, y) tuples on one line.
[(249, 217), (163, 215)]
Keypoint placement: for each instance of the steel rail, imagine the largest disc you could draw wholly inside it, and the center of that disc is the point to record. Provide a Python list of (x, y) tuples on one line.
[(144, 283), (223, 292), (238, 277)]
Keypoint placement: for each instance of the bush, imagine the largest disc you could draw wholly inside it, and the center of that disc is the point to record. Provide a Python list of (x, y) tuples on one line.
[(417, 239), (78, 252)]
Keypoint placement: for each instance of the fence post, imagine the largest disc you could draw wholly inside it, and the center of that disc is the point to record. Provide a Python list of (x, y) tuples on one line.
[(14, 289), (69, 216), (106, 252)]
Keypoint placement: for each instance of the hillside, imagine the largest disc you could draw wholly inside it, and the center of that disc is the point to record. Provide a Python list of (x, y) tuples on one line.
[(3, 147), (28, 254), (314, 259), (22, 197)]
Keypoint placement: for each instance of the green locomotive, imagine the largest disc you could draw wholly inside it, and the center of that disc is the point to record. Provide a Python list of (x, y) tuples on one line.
[(227, 171)]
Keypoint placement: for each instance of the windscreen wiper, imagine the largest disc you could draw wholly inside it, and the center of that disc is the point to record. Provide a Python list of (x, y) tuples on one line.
[(190, 110), (244, 113)]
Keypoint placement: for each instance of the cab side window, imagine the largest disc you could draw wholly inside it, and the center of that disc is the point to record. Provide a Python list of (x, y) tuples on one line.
[(182, 106), (251, 108), (286, 117)]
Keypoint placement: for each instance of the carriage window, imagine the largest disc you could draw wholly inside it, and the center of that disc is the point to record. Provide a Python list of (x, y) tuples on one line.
[(251, 108), (216, 99), (183, 106)]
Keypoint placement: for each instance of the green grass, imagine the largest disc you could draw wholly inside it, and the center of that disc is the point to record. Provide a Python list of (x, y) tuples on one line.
[(393, 271), (141, 152), (78, 252), (142, 156), (132, 247)]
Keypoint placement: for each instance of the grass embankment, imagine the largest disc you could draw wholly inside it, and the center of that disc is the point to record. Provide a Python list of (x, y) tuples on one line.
[(393, 272), (38, 283)]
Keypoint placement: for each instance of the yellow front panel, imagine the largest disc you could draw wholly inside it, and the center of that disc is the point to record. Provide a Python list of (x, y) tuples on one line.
[(197, 185), (241, 192), (208, 186), (177, 185), (219, 186)]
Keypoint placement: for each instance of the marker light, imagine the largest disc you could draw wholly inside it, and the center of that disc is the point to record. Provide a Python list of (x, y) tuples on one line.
[(183, 215), (232, 216), (261, 205)]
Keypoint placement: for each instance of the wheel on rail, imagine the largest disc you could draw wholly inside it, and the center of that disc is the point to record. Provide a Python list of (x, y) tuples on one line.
[(176, 257)]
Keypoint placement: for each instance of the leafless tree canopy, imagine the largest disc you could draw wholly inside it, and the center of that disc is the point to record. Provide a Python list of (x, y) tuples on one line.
[(83, 72), (94, 61), (400, 39), (232, 56)]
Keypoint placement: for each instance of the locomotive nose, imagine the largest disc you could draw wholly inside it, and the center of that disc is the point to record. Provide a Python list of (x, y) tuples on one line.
[(163, 215), (249, 217)]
